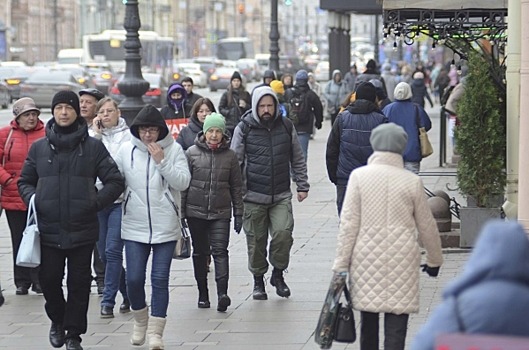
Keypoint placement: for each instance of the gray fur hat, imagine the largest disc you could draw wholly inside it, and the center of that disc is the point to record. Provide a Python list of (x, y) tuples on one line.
[(389, 137)]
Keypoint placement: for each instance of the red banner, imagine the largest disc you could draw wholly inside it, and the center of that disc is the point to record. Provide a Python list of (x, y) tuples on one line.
[(175, 125)]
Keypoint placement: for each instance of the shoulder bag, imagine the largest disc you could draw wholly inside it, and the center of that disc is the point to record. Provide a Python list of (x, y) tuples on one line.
[(426, 146), (29, 250), (183, 245)]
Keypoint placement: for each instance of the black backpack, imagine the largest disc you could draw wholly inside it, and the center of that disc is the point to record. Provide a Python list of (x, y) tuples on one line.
[(298, 112)]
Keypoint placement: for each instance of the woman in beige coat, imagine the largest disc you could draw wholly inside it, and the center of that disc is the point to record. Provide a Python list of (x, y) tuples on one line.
[(384, 217)]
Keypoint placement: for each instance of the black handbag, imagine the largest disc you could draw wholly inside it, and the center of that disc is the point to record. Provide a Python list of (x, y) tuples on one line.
[(344, 328)]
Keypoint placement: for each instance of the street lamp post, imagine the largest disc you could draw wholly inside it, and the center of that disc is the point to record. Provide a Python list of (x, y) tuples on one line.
[(274, 39), (132, 86)]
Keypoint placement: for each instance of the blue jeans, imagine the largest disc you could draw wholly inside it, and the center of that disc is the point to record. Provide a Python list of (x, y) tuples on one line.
[(137, 255), (110, 247), (304, 138)]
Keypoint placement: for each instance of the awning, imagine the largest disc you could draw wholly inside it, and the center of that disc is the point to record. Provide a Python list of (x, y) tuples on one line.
[(444, 4)]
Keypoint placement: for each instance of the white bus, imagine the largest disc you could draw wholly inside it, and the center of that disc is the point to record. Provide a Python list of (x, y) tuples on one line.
[(234, 48), (156, 51)]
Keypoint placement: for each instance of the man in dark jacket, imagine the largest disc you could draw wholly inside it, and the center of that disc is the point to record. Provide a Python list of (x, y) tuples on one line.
[(267, 147), (192, 97), (60, 171), (348, 146), (312, 111), (268, 76)]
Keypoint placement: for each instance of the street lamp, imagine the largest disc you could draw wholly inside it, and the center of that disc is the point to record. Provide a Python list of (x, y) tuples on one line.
[(132, 86), (274, 39)]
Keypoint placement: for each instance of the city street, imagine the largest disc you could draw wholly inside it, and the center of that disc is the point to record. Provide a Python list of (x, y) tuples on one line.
[(284, 324)]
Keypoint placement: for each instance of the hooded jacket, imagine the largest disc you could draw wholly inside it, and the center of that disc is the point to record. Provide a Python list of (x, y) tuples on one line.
[(151, 207), (491, 296), (216, 183), (267, 153), (61, 171), (335, 93), (348, 146), (176, 109), (13, 153)]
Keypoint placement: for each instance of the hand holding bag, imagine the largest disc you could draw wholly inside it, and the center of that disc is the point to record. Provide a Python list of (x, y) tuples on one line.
[(426, 146), (29, 250), (345, 330), (183, 246)]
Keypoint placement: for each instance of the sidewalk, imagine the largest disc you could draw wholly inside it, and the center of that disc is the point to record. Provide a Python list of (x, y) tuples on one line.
[(280, 324)]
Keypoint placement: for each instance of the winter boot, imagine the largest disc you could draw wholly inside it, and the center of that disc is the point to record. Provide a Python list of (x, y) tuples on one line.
[(222, 292), (201, 276), (141, 318), (278, 281), (259, 292), (155, 332), (203, 294)]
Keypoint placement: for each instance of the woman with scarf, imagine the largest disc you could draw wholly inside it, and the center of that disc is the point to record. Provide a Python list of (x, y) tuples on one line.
[(234, 102), (176, 109)]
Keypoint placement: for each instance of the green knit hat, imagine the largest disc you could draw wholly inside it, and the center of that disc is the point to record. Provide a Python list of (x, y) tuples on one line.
[(214, 120)]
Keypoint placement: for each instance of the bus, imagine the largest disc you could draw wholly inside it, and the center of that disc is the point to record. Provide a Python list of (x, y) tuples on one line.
[(157, 52), (234, 48)]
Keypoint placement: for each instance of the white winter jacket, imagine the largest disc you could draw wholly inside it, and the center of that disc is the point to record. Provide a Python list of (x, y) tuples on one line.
[(384, 215), (151, 207)]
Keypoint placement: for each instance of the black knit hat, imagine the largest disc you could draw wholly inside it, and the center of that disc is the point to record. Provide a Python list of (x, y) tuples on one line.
[(68, 97), (366, 91), (149, 116), (236, 75)]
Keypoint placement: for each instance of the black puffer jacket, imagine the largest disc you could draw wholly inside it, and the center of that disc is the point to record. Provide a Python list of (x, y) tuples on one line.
[(348, 146), (186, 137), (216, 182), (61, 170)]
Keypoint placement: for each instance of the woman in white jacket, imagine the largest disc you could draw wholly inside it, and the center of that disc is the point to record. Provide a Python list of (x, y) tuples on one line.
[(384, 217), (113, 131), (155, 170)]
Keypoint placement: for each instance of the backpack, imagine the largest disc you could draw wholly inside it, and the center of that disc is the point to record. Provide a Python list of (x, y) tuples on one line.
[(298, 112)]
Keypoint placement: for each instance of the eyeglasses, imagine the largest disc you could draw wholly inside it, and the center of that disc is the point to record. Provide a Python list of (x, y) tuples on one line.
[(106, 111), (144, 130)]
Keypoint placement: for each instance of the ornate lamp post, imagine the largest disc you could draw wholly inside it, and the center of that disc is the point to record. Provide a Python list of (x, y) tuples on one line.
[(133, 86), (274, 38)]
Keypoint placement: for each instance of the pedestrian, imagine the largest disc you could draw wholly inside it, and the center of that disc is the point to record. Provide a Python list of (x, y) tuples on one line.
[(348, 145), (202, 108), (335, 92), (384, 218), (192, 96), (176, 106), (234, 102), (382, 99), (88, 99), (310, 110), (350, 77), (268, 76), (491, 296), (267, 148), (112, 129), (61, 171), (155, 170), (288, 80), (278, 88), (409, 115), (371, 72), (419, 90), (215, 191), (15, 141), (390, 80)]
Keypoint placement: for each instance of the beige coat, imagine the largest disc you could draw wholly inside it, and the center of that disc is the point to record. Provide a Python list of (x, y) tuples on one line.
[(384, 215)]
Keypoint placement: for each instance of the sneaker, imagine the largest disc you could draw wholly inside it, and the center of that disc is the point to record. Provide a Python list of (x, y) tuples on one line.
[(107, 312)]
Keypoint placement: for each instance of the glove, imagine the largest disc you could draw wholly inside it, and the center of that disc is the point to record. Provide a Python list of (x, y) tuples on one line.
[(184, 223), (431, 271), (318, 125), (237, 224)]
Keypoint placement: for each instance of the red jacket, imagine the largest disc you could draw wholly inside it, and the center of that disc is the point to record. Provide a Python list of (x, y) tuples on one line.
[(15, 153)]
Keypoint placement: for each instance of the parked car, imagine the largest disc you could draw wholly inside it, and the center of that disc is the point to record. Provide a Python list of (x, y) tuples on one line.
[(13, 76), (42, 85), (321, 73), (156, 95), (221, 78), (192, 70)]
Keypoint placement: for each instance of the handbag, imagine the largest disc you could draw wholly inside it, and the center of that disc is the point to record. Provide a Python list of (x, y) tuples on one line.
[(344, 329), (182, 249), (29, 250), (426, 146)]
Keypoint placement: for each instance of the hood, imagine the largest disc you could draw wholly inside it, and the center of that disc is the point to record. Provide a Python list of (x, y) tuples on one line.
[(173, 88), (257, 95), (149, 116), (501, 253), (334, 72)]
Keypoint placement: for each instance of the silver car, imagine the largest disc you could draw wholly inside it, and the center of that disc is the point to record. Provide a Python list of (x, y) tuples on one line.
[(41, 86)]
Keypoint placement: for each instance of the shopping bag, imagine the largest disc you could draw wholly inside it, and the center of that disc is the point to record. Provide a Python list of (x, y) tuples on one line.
[(29, 250)]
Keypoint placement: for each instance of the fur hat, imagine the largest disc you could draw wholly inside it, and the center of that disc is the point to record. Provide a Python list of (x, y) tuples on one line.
[(68, 97), (277, 86), (366, 91), (402, 91), (214, 120), (302, 75), (149, 116), (389, 137), (23, 105)]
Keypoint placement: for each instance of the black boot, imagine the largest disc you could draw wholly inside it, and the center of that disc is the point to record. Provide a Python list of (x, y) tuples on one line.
[(278, 281), (259, 292), (203, 294), (201, 276)]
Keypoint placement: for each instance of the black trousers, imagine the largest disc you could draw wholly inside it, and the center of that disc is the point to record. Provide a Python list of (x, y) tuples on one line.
[(211, 237), (99, 267), (24, 276), (71, 312), (395, 329)]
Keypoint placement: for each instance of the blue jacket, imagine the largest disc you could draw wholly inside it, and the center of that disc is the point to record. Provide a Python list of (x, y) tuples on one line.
[(492, 293), (403, 113), (348, 146)]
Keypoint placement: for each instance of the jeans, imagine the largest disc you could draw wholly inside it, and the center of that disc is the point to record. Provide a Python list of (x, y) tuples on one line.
[(72, 312), (304, 138), (340, 196), (414, 167), (395, 329), (259, 220), (110, 247), (137, 254)]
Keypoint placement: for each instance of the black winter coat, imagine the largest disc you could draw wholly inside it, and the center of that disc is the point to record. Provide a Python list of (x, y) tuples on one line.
[(61, 170), (186, 137), (230, 108), (314, 108)]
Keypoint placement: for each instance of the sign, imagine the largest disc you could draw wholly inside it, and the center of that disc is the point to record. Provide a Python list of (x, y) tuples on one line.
[(176, 125)]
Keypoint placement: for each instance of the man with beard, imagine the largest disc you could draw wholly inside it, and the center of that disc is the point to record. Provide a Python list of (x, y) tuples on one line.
[(267, 147)]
